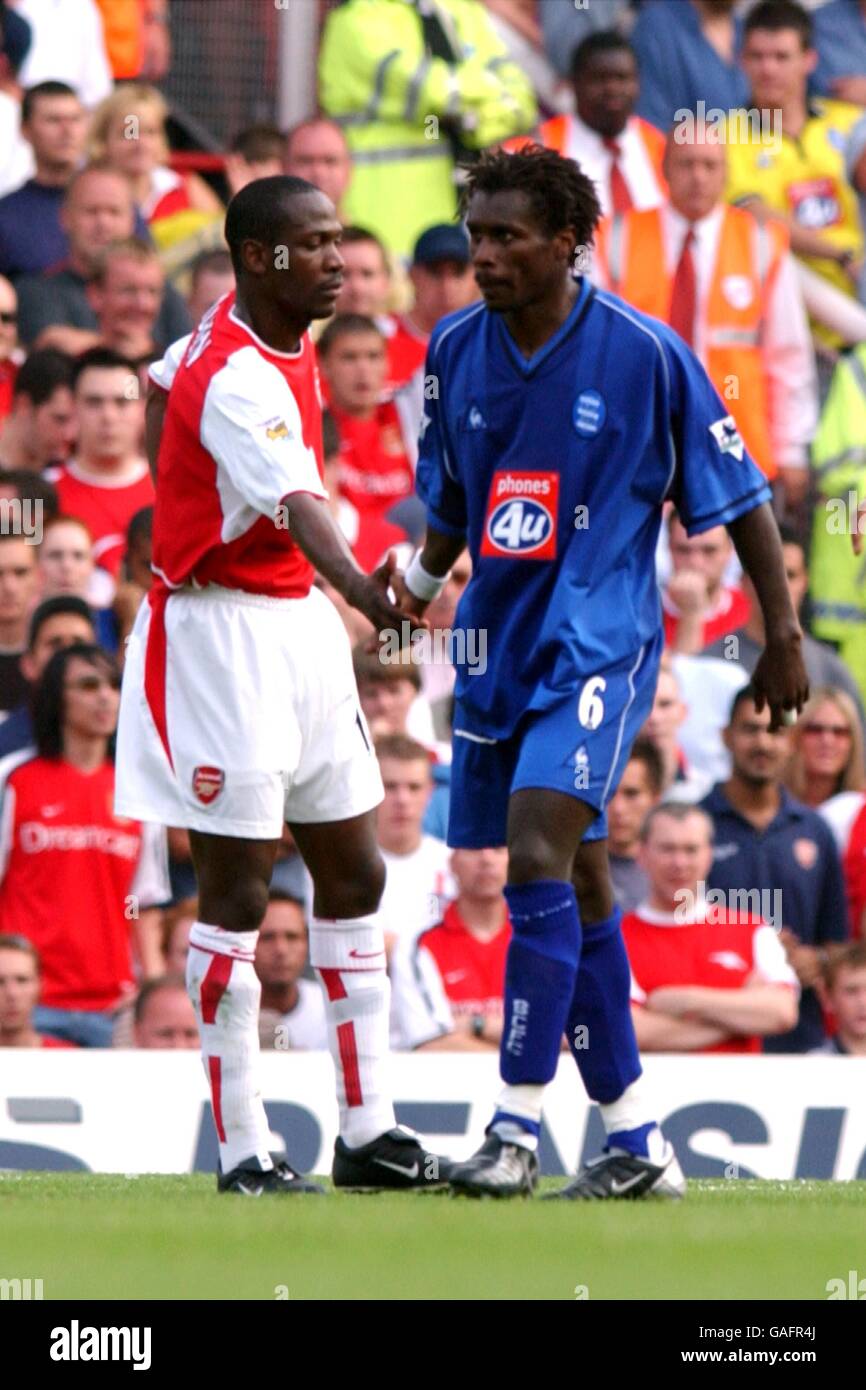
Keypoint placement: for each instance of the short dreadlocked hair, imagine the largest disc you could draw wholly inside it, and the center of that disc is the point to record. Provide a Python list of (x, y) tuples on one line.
[(559, 193)]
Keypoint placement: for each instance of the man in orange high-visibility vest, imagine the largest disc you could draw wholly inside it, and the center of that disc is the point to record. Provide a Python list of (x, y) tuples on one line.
[(728, 285), (619, 151)]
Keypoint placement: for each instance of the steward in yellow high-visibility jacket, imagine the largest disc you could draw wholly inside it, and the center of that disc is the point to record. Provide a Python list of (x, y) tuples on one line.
[(838, 576), (407, 80)]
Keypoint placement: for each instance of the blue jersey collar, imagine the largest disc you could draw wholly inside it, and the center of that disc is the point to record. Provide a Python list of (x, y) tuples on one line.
[(526, 366)]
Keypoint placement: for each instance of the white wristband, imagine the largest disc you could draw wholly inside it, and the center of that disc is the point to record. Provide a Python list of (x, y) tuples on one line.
[(423, 585)]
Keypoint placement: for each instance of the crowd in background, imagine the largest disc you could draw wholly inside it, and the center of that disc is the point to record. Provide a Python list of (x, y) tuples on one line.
[(738, 855)]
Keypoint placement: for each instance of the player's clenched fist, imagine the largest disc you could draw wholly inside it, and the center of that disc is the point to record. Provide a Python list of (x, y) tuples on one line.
[(688, 589)]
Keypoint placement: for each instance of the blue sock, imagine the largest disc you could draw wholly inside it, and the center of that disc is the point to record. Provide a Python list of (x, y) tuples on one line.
[(599, 1029), (634, 1141), (539, 978)]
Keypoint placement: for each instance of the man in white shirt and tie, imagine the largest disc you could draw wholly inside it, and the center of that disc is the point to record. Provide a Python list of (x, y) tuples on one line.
[(618, 150)]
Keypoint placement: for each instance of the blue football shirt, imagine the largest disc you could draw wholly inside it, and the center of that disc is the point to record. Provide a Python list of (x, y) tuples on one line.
[(555, 468)]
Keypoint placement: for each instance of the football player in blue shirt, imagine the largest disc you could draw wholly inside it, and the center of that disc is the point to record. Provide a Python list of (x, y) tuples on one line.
[(558, 421)]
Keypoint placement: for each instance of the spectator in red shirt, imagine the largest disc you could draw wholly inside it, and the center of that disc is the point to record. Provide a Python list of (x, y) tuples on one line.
[(19, 990), (704, 978), (108, 480), (698, 606), (9, 354), (375, 467), (76, 880), (367, 290), (164, 1016), (369, 534), (40, 430), (447, 984)]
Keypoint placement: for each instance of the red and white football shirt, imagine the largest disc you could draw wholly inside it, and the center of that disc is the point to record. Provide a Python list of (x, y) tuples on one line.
[(472, 971), (374, 466), (406, 349), (242, 431), (105, 505), (444, 974), (730, 612), (718, 949), (67, 868)]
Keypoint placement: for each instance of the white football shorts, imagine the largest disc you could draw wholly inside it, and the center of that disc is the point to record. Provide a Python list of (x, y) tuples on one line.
[(239, 712)]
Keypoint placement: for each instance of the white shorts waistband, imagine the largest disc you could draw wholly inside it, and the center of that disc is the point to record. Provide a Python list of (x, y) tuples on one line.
[(222, 595)]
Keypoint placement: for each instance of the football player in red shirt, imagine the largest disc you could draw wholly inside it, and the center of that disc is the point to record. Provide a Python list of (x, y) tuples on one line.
[(239, 709), (705, 978)]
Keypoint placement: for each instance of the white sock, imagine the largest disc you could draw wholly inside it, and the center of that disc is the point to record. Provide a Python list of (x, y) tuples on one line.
[(349, 957), (630, 1111), (525, 1101), (225, 993)]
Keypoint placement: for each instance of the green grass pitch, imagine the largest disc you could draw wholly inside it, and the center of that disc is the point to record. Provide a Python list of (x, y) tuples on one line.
[(89, 1236)]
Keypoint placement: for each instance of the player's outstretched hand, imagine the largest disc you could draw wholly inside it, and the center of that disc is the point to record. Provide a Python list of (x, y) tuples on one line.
[(404, 596), (780, 681), (374, 600)]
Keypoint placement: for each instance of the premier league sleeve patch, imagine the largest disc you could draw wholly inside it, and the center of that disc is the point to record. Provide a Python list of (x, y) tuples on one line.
[(727, 436), (520, 521)]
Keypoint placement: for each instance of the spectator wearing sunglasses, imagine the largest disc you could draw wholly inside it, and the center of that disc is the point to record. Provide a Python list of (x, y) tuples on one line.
[(826, 749), (77, 881)]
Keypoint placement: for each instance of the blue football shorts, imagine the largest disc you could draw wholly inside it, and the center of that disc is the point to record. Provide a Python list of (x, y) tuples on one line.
[(579, 746)]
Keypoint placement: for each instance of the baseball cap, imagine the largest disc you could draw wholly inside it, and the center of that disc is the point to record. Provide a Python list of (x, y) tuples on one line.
[(444, 242), (15, 37)]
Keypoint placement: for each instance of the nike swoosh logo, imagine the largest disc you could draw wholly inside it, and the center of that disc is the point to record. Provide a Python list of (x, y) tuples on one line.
[(618, 1188), (365, 955), (398, 1168)]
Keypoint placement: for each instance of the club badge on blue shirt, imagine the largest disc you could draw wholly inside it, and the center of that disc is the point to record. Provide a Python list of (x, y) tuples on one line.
[(589, 413)]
